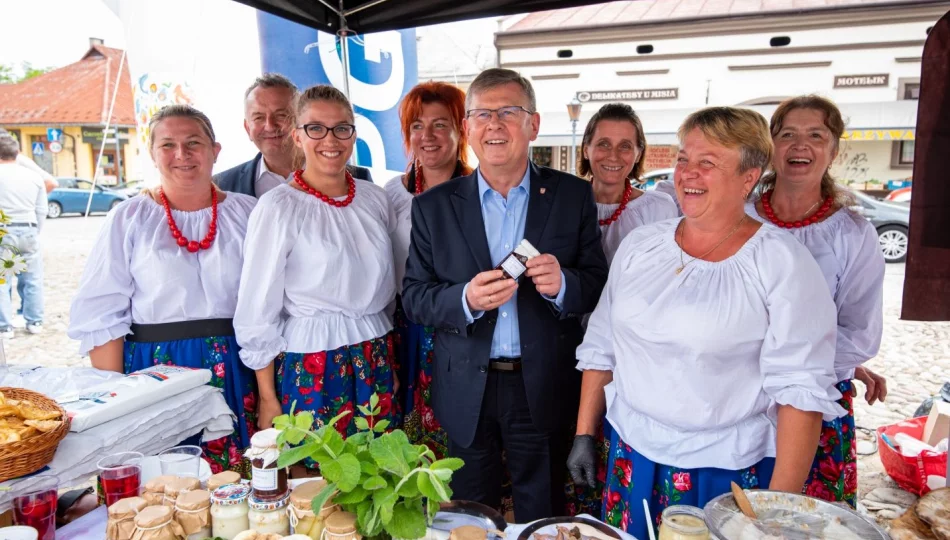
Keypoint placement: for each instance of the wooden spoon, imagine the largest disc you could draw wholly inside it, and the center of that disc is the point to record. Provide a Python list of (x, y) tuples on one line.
[(742, 501)]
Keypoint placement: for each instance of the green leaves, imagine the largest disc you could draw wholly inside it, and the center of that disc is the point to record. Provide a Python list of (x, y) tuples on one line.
[(388, 453), (391, 485), (409, 520)]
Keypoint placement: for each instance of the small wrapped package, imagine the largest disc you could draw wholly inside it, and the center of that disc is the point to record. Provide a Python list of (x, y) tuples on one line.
[(157, 523), (223, 479), (178, 485), (122, 514), (154, 490), (193, 513)]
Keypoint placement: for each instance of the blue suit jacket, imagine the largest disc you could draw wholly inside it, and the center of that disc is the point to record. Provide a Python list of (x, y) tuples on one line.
[(448, 247), (240, 179)]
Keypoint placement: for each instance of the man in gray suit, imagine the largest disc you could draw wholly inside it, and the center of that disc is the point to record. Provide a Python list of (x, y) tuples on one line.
[(269, 121)]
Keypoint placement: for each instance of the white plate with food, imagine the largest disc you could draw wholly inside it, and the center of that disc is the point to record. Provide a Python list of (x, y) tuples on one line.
[(568, 528), (787, 516)]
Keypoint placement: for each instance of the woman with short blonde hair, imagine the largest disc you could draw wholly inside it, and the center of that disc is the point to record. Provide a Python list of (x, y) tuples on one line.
[(706, 372)]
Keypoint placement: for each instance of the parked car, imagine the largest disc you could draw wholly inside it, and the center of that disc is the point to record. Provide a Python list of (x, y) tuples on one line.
[(72, 196), (129, 189), (901, 195), (892, 222)]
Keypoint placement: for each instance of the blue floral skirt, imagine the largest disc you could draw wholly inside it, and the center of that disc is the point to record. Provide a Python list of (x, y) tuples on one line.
[(631, 477), (220, 355), (414, 354), (834, 473), (331, 382)]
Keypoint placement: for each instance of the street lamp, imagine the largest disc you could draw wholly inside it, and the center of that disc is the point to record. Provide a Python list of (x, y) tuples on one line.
[(574, 112)]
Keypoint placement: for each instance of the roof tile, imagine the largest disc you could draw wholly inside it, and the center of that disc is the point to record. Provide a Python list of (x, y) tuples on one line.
[(79, 93)]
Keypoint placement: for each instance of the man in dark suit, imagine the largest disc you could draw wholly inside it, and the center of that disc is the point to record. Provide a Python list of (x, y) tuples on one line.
[(504, 371), (269, 121)]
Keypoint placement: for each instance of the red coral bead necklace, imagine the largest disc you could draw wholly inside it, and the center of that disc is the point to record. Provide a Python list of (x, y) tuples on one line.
[(807, 220), (350, 190), (627, 193), (192, 245)]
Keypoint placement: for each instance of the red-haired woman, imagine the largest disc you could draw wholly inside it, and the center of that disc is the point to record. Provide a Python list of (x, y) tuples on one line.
[(431, 116)]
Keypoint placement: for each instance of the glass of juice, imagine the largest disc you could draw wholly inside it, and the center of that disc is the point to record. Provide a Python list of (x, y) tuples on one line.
[(121, 475), (37, 508)]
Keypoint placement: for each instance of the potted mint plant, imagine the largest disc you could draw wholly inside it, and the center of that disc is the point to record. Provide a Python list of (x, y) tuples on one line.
[(394, 487)]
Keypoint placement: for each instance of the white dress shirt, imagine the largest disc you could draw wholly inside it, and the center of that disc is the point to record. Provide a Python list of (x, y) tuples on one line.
[(702, 359), (846, 247), (266, 180), (137, 273), (316, 277)]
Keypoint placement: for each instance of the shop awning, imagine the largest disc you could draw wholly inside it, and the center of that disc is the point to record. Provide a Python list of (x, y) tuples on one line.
[(882, 121)]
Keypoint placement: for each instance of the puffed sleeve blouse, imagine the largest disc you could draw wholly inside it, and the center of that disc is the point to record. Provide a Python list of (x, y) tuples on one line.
[(650, 207), (701, 360), (401, 201)]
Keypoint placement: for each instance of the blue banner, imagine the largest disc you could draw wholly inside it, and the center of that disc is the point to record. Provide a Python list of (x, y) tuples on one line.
[(383, 68)]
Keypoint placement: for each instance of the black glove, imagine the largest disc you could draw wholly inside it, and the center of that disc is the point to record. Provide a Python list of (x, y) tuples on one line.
[(583, 461)]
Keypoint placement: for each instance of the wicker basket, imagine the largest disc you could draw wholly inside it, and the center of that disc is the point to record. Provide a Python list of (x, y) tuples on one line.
[(30, 455)]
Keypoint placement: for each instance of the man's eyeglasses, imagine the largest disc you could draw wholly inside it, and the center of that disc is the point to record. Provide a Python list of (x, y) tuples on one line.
[(509, 114), (320, 131)]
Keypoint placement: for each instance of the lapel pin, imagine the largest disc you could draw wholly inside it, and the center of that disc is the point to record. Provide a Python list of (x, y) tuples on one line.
[(543, 190)]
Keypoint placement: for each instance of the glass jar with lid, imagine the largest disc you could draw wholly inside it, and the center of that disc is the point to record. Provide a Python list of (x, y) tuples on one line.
[(341, 525), (268, 483), (269, 516), (222, 479), (193, 513), (681, 522), (178, 485), (229, 510), (302, 519)]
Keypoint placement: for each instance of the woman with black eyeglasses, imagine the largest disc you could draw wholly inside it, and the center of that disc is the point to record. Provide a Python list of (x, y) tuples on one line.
[(318, 276)]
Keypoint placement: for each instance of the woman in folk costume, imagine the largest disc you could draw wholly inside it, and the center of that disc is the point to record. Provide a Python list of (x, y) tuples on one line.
[(613, 150), (431, 115), (706, 371), (318, 275), (802, 197), (160, 285)]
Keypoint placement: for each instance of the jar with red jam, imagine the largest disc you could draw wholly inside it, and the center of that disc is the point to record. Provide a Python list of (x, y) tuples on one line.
[(268, 482)]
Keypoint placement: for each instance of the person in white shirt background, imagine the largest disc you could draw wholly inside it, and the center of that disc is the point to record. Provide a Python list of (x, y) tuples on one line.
[(24, 161), (719, 367), (23, 199)]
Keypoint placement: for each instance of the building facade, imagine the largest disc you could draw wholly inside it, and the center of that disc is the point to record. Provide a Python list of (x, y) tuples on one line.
[(670, 58), (74, 103)]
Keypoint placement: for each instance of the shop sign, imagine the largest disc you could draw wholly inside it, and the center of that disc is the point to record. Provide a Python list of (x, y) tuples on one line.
[(878, 135), (861, 81), (659, 157), (627, 95), (94, 136)]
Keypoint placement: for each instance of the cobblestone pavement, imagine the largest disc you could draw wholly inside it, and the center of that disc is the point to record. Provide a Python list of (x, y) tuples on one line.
[(915, 356)]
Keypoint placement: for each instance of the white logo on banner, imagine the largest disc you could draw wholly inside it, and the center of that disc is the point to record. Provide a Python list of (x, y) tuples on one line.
[(373, 97)]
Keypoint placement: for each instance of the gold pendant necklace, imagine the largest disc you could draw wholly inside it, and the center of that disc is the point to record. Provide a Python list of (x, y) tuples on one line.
[(682, 232)]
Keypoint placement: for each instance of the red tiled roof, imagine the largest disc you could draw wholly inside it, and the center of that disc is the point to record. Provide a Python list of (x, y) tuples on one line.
[(655, 11), (78, 94)]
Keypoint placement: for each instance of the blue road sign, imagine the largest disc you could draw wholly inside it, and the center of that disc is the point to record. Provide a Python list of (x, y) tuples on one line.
[(37, 149), (53, 134)]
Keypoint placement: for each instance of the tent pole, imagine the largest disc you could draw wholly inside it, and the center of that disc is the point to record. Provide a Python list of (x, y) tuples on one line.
[(105, 134), (344, 34), (367, 5)]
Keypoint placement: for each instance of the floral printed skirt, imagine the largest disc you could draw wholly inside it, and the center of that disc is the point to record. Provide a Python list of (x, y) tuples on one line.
[(834, 473), (632, 477), (220, 355), (414, 351), (331, 382)]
